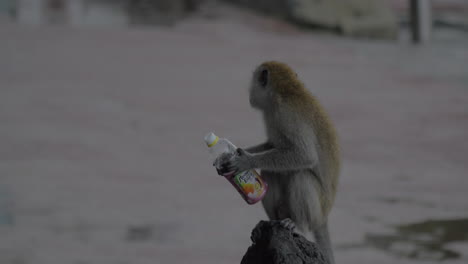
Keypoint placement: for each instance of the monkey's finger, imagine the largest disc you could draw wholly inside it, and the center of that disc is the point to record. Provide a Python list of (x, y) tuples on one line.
[(218, 162), (224, 170), (220, 172), (232, 168), (288, 224), (240, 151), (226, 165)]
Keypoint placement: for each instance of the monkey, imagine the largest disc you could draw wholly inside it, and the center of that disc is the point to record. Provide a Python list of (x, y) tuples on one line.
[(300, 160)]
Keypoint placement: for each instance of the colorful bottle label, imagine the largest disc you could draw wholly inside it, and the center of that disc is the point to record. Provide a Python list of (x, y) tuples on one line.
[(250, 185)]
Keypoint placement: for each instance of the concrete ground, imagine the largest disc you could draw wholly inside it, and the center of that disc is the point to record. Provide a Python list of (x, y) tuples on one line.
[(102, 157)]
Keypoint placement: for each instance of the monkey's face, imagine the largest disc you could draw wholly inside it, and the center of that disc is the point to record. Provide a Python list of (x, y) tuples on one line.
[(260, 92)]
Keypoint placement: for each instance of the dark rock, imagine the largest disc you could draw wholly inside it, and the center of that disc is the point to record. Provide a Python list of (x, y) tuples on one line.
[(274, 243)]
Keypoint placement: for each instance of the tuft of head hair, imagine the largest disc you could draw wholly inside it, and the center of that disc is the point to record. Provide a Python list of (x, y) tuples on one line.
[(283, 80)]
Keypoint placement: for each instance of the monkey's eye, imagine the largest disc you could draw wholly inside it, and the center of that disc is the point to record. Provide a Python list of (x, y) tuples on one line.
[(263, 78)]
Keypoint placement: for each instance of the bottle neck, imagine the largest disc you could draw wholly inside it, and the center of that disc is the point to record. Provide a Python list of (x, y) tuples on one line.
[(213, 143)]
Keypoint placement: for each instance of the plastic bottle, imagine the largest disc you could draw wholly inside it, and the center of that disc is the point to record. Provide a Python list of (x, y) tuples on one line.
[(248, 183)]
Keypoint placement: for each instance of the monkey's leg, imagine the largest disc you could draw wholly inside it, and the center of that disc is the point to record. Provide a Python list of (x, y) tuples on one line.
[(304, 201), (306, 211), (273, 200)]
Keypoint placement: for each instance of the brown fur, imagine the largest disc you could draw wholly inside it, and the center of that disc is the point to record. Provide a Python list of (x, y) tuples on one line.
[(291, 91)]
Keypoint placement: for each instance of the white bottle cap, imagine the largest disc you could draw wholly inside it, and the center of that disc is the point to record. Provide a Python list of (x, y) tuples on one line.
[(211, 139)]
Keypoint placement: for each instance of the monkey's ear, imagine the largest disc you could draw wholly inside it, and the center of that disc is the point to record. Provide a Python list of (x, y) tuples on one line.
[(263, 77)]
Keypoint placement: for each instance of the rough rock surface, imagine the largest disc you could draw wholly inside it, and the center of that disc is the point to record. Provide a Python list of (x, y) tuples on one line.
[(273, 243)]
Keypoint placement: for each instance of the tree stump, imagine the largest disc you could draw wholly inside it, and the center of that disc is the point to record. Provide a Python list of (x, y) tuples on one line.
[(275, 243)]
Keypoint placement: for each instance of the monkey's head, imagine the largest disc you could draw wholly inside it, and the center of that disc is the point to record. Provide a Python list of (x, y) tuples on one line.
[(274, 83)]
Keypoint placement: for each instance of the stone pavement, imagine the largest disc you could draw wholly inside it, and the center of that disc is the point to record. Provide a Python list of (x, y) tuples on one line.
[(101, 139)]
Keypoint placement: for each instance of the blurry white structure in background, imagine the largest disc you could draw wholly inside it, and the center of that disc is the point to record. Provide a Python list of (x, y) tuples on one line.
[(30, 11), (421, 20), (72, 12)]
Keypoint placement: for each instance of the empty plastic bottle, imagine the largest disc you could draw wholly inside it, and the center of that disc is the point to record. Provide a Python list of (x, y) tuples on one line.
[(248, 183)]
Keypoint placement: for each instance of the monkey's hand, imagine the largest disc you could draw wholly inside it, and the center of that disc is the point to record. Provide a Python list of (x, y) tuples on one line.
[(241, 162), (221, 162)]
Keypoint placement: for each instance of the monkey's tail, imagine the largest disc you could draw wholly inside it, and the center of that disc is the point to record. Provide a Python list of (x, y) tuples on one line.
[(322, 237)]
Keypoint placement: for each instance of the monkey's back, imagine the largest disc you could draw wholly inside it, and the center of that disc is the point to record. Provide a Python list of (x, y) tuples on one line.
[(290, 92), (327, 147)]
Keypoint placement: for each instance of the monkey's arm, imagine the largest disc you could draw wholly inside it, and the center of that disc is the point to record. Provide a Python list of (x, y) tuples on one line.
[(287, 159), (259, 148), (273, 159), (223, 160)]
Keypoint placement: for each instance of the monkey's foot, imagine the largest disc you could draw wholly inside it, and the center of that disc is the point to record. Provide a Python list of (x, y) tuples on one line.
[(288, 224)]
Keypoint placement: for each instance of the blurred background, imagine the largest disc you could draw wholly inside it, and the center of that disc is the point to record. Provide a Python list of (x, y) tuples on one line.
[(104, 106)]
